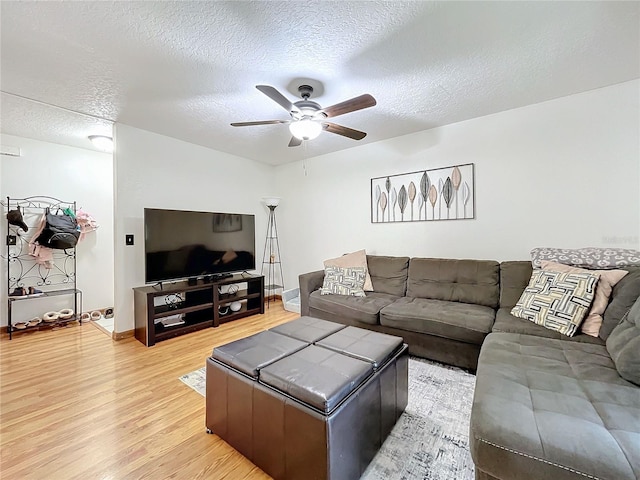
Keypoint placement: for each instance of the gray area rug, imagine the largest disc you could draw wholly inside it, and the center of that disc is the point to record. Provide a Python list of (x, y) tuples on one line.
[(430, 441)]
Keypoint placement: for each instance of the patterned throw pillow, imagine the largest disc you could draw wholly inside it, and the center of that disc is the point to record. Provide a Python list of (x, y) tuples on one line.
[(344, 281), (608, 279), (355, 259), (558, 301)]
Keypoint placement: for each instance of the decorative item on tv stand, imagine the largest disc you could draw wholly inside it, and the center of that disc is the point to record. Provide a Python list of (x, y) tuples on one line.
[(271, 264)]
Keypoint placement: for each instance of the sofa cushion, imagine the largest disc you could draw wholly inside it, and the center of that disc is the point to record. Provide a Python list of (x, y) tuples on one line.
[(466, 281), (354, 259), (457, 321), (546, 408), (514, 278), (343, 281), (608, 279), (505, 322), (624, 345), (557, 300), (388, 274), (623, 297), (363, 309)]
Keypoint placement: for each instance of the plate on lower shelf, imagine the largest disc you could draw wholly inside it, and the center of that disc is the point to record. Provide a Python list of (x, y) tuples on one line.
[(174, 324)]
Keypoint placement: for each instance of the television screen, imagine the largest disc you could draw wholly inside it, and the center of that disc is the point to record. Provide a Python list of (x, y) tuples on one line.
[(180, 244)]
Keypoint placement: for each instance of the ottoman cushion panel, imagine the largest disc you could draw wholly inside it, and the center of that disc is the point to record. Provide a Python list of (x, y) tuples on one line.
[(308, 329), (363, 309), (317, 376), (373, 347), (459, 321), (465, 281), (558, 391), (250, 354), (388, 274)]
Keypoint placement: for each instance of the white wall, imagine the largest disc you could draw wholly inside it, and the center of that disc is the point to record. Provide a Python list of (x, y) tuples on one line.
[(156, 171), (67, 173), (562, 173)]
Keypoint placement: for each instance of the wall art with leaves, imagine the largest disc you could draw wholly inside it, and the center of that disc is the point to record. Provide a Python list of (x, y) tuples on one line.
[(438, 194)]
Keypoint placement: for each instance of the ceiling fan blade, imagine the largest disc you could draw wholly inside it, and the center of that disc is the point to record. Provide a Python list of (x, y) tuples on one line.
[(356, 103), (344, 131), (295, 142), (261, 122), (277, 97)]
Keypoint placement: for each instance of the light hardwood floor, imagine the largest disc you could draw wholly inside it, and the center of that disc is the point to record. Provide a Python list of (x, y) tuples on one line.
[(76, 405)]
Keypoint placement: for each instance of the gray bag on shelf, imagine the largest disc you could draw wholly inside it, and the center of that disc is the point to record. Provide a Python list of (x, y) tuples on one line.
[(60, 232)]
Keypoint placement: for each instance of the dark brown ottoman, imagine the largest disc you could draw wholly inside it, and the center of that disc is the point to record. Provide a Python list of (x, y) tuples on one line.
[(315, 412)]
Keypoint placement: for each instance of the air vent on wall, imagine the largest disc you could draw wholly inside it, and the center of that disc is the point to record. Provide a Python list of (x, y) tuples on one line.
[(11, 151)]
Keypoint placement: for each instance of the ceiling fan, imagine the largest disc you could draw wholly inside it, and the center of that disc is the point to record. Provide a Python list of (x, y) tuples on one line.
[(308, 118)]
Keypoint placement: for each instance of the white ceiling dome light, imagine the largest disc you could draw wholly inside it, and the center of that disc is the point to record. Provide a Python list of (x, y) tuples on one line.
[(305, 129), (102, 142)]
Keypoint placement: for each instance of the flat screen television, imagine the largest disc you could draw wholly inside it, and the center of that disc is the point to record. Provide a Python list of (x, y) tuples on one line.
[(181, 244)]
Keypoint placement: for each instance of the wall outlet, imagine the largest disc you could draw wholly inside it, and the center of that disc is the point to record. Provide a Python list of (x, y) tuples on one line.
[(12, 240), (128, 239)]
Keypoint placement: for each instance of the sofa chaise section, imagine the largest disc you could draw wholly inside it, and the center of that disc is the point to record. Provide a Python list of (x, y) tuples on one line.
[(549, 409)]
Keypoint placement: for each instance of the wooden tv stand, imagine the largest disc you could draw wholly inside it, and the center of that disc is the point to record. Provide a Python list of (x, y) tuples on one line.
[(187, 308)]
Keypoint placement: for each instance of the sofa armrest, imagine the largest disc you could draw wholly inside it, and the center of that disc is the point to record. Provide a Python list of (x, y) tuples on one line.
[(309, 282)]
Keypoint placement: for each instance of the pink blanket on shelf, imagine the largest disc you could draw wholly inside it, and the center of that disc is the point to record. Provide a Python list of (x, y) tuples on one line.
[(43, 255)]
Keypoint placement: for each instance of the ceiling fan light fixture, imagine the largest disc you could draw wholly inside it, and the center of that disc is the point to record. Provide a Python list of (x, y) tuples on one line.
[(308, 118), (305, 129)]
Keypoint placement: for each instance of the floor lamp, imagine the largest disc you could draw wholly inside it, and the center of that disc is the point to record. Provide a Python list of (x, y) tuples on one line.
[(271, 257)]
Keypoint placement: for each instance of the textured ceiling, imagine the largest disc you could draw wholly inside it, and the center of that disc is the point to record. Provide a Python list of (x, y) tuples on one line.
[(189, 69)]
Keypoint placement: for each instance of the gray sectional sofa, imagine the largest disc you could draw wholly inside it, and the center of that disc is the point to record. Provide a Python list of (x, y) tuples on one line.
[(442, 308), (546, 406)]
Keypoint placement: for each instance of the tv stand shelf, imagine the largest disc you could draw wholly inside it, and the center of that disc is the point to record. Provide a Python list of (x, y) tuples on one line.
[(166, 310), (194, 307)]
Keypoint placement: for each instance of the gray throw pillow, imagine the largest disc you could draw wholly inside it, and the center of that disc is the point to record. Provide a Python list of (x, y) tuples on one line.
[(624, 345)]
